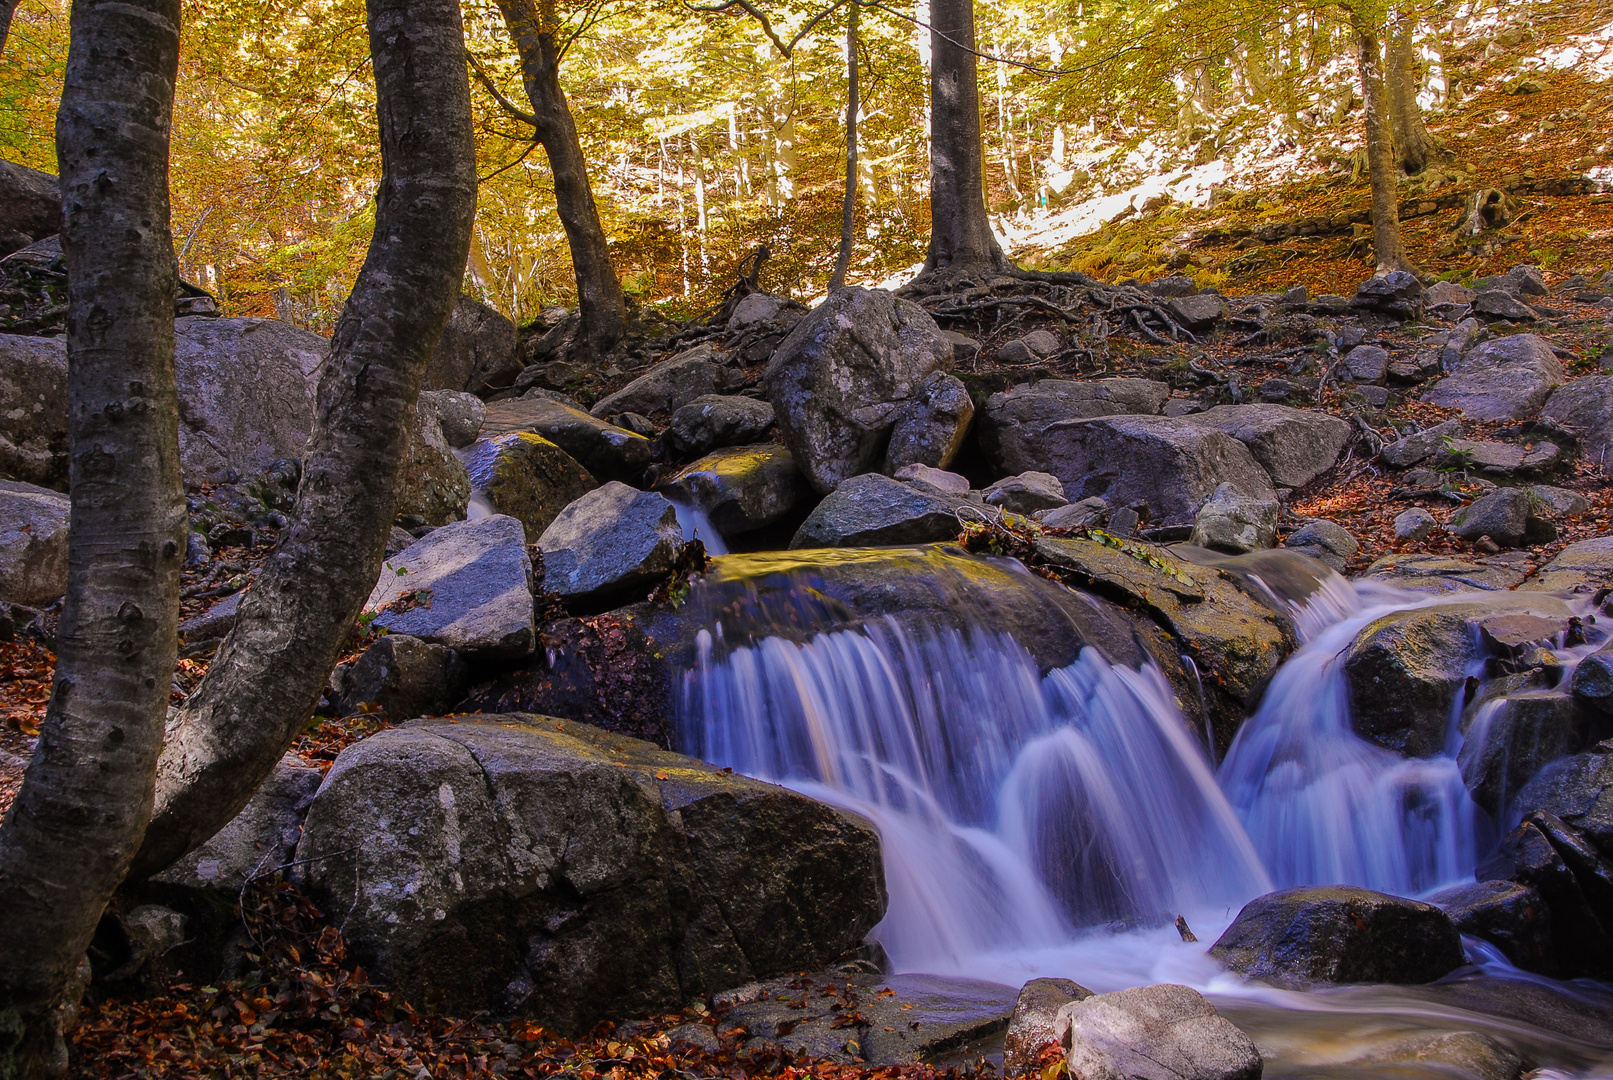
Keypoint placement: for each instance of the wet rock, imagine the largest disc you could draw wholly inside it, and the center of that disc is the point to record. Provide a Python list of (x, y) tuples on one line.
[(605, 450), (1500, 305), (259, 841), (1027, 493), (1507, 378), (1414, 524), (461, 415), (1314, 934), (948, 483), (1579, 790), (1232, 522), (1154, 1033), (1528, 855), (527, 477), (402, 677), (1294, 446), (1018, 425), (1404, 672), (1503, 516), (1513, 737), (1420, 446), (1585, 407), (1464, 1053), (930, 427), (839, 379), (1034, 346), (1583, 567), (467, 585), (1324, 540), (1443, 574), (1509, 915), (476, 352), (1077, 515), (33, 544), (1367, 364), (1034, 1023), (1196, 313), (1592, 682), (715, 421), (671, 384), (608, 543), (740, 489), (562, 873), (435, 485), (874, 510), (33, 410)]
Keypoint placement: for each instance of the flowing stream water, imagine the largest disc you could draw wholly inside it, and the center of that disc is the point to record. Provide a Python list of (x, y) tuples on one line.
[(1055, 823)]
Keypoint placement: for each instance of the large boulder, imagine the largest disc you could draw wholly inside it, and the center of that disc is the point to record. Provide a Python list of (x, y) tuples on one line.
[(1314, 934), (873, 510), (1294, 446), (1324, 540), (671, 384), (477, 350), (1420, 446), (33, 544), (1025, 494), (714, 421), (461, 414), (609, 542), (467, 585), (1506, 378), (1503, 515), (529, 865), (1592, 682), (1579, 791), (1567, 870), (930, 427), (840, 378), (1035, 1022), (1232, 522), (436, 485), (1163, 1032), (33, 409), (1513, 736), (1442, 573), (30, 205), (1014, 426), (527, 477), (740, 489), (401, 677), (606, 451), (1585, 407), (1509, 915), (1578, 568)]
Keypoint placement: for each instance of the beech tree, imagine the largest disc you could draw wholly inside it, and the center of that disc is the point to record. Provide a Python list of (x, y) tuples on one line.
[(1414, 146), (1387, 247), (68, 839)]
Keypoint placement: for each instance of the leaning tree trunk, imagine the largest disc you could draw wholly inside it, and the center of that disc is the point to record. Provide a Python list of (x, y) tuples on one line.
[(599, 293), (268, 673), (86, 798), (1414, 146), (961, 240), (1386, 243), (848, 205)]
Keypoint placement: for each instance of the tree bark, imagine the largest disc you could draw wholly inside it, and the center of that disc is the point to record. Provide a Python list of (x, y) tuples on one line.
[(84, 803), (848, 205), (599, 293), (1386, 243), (961, 240), (269, 671), (8, 8), (1414, 146)]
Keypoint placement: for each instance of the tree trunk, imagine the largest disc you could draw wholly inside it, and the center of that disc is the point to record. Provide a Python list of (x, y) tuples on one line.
[(1386, 243), (86, 798), (1414, 147), (8, 8), (961, 241), (599, 293), (848, 205), (268, 673)]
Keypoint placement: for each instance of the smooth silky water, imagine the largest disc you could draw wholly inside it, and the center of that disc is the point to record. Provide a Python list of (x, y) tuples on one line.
[(1055, 824)]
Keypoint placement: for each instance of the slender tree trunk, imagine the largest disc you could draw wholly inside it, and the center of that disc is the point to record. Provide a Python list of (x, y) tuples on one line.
[(86, 798), (268, 673), (961, 240), (848, 205), (1386, 242), (8, 8), (599, 293), (1414, 146)]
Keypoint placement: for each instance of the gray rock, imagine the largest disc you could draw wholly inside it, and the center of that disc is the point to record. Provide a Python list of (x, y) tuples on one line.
[(1556, 500), (1469, 1054), (1592, 682), (1414, 524), (872, 511), (929, 428), (715, 421), (740, 489), (1189, 406), (435, 485), (258, 841), (1447, 294), (477, 351), (1502, 515), (699, 1036), (397, 540), (1160, 1032), (1442, 574), (400, 676), (1418, 447), (1498, 459), (33, 544), (1501, 305), (1519, 281), (1570, 875), (964, 348), (246, 393), (758, 307), (1578, 568), (218, 620), (1294, 446), (1585, 407), (609, 542), (543, 867), (30, 202), (1578, 790), (1367, 364), (1507, 378), (1324, 540), (605, 450), (1232, 522), (1507, 914), (467, 585), (1027, 493), (1034, 346), (1513, 736), (1181, 285), (33, 410), (1404, 672), (839, 379), (461, 414), (671, 384), (1035, 1022), (527, 477), (1077, 515), (1198, 312), (1017, 424), (948, 483), (1301, 937)]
